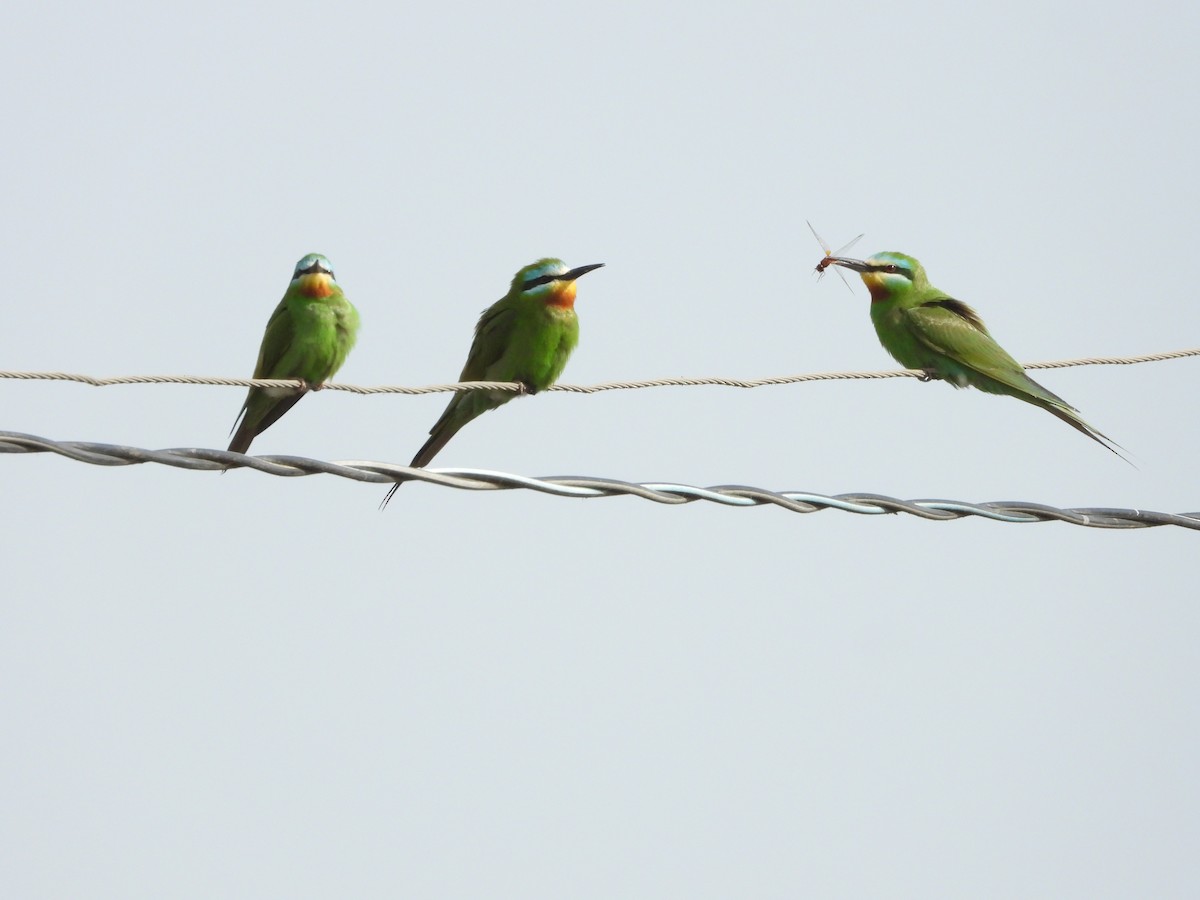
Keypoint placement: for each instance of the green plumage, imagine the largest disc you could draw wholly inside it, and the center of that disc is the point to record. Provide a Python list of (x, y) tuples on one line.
[(308, 336), (526, 336), (925, 328)]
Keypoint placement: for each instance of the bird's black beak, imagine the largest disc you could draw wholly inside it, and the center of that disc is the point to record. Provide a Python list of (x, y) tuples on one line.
[(846, 263), (314, 269), (575, 273)]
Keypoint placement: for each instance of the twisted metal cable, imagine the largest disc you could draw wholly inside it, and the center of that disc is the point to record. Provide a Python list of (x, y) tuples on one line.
[(462, 387), (198, 459)]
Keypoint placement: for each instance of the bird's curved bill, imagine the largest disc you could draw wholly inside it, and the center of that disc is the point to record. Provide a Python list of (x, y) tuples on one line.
[(846, 262), (575, 273)]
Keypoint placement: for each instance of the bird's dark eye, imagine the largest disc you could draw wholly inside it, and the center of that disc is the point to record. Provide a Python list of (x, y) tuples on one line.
[(895, 269), (538, 282)]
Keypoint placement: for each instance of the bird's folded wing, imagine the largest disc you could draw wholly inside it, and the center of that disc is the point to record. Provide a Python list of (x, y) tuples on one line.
[(276, 342), (493, 335), (946, 329)]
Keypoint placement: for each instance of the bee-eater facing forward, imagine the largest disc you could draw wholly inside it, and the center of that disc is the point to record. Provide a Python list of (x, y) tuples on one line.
[(526, 336), (308, 336), (925, 328)]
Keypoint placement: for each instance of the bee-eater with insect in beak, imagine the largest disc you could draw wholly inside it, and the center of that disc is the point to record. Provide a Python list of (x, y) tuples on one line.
[(526, 337), (925, 328), (308, 337)]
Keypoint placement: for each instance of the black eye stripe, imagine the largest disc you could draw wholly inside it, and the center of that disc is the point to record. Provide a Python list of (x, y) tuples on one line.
[(891, 269), (538, 282)]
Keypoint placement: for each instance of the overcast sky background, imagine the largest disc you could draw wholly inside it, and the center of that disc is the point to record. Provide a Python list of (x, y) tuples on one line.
[(248, 686)]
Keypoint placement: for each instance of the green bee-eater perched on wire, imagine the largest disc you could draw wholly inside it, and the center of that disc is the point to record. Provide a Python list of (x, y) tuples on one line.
[(308, 336), (925, 328), (526, 337)]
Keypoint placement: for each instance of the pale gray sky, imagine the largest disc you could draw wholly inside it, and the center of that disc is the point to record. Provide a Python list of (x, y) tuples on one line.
[(246, 686)]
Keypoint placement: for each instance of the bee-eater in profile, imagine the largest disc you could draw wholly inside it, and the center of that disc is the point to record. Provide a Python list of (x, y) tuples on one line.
[(526, 337), (308, 337), (925, 328)]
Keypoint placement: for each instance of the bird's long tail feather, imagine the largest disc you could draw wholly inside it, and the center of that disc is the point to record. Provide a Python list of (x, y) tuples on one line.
[(1072, 418), (445, 428), (250, 425)]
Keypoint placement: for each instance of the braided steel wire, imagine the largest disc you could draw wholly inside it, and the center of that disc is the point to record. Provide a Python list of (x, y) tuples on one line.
[(461, 387), (198, 459)]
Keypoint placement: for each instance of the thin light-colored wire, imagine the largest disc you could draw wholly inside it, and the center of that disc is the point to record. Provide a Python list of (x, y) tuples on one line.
[(584, 486), (461, 387)]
